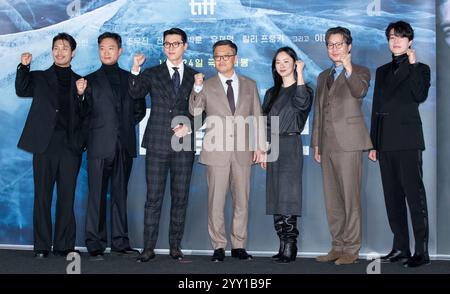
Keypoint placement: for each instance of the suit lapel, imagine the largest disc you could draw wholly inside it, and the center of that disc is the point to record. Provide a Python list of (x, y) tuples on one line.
[(325, 90), (217, 87), (186, 86), (123, 83), (166, 83), (242, 84)]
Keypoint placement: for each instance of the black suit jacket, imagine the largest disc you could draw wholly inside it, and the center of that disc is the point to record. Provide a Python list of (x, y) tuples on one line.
[(41, 120), (396, 123), (105, 125), (165, 105)]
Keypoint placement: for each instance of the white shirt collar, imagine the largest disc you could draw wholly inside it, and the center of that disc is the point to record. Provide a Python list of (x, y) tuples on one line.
[(224, 79), (171, 70)]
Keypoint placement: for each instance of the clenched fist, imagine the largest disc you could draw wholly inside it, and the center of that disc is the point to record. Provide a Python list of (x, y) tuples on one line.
[(411, 56), (346, 60), (300, 65), (138, 60), (25, 58), (199, 79), (81, 86)]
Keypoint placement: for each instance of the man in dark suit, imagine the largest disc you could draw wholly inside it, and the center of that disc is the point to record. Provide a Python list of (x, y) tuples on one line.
[(339, 137), (169, 85), (52, 133), (111, 144), (396, 132)]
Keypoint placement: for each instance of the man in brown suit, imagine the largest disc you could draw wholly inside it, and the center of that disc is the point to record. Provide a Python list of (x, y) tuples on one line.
[(339, 137), (233, 110)]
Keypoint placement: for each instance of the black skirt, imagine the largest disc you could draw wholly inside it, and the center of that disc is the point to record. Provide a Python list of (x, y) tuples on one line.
[(284, 178)]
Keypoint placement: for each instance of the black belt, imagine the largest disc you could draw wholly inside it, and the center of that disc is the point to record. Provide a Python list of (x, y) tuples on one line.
[(290, 134)]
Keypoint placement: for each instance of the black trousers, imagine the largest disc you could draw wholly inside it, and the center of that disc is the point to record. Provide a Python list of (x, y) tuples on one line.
[(58, 164), (115, 168), (401, 174), (157, 166)]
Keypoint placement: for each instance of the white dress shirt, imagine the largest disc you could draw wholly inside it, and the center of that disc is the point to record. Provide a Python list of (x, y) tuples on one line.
[(223, 79)]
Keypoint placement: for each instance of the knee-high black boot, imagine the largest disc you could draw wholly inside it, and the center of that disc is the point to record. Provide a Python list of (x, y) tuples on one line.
[(278, 224), (289, 235)]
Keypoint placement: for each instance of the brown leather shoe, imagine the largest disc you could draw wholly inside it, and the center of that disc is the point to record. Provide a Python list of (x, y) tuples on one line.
[(346, 258), (331, 256)]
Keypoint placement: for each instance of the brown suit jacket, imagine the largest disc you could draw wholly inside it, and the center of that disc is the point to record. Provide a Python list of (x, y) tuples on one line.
[(347, 117), (223, 132)]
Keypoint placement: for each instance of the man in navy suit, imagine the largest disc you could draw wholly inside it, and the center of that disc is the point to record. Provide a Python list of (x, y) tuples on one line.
[(169, 85), (111, 144)]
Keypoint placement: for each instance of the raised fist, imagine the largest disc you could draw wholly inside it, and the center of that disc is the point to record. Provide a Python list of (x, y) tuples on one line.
[(199, 79), (138, 60), (299, 65), (411, 56), (25, 58), (81, 86)]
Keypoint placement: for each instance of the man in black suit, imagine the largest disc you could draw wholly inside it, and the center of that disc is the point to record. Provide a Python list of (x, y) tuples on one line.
[(397, 136), (52, 133), (169, 85), (111, 144)]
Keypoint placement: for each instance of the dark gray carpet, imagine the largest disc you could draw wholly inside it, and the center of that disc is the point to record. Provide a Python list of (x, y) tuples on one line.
[(23, 262)]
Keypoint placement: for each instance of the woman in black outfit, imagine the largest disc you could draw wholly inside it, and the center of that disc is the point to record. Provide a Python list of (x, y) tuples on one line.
[(290, 100)]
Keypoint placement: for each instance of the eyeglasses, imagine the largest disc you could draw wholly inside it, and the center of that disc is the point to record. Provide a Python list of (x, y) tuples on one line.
[(335, 45), (223, 57), (174, 44)]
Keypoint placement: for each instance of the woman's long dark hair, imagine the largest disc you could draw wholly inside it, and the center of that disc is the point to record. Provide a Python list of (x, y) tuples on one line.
[(277, 80)]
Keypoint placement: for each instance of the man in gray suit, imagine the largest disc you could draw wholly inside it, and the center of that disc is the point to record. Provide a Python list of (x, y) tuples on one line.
[(339, 137), (233, 108)]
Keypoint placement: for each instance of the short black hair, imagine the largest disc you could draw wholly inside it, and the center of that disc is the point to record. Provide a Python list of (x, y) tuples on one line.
[(176, 31), (226, 43), (401, 29), (65, 37), (339, 30), (116, 37)]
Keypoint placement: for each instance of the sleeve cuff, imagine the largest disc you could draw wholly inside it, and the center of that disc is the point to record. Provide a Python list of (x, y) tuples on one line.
[(136, 73), (198, 88)]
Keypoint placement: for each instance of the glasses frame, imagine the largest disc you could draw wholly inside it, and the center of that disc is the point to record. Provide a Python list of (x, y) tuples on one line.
[(337, 45), (223, 57), (167, 45)]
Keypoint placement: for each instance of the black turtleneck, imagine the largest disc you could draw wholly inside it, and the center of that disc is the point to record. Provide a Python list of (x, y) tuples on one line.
[(397, 60), (113, 75), (64, 78)]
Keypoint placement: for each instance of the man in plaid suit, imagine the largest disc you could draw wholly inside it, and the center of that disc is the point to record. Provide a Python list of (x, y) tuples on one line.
[(169, 85)]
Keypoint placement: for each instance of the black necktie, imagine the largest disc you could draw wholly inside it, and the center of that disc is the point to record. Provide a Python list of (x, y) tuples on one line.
[(230, 95), (176, 80), (330, 79)]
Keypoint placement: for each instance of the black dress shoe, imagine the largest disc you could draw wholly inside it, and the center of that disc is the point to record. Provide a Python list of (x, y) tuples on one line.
[(96, 255), (417, 260), (395, 256), (64, 253), (176, 253), (241, 254), (127, 251), (146, 255), (219, 255), (41, 254)]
